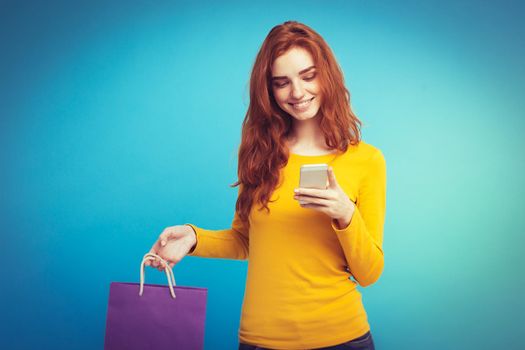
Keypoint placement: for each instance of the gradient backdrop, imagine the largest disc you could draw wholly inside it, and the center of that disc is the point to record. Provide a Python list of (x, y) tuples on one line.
[(120, 118)]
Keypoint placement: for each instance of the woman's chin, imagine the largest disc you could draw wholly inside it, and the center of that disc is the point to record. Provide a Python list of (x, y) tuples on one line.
[(303, 116)]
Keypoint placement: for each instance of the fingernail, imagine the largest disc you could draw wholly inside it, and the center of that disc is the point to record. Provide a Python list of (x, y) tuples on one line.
[(296, 190), (163, 243)]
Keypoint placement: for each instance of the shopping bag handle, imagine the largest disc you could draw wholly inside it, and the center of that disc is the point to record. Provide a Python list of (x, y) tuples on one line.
[(169, 272)]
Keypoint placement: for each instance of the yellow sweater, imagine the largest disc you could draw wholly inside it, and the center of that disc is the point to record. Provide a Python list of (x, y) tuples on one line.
[(298, 291)]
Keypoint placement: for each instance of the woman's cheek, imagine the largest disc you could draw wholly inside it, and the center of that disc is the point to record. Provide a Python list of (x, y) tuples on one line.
[(281, 98)]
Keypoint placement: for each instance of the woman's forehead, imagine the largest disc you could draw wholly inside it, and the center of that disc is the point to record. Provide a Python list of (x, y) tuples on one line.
[(292, 62)]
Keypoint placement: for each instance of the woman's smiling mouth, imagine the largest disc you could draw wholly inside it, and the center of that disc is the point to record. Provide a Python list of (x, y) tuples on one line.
[(303, 105)]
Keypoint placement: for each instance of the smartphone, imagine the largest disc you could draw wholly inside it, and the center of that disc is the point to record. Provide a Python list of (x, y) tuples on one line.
[(313, 176)]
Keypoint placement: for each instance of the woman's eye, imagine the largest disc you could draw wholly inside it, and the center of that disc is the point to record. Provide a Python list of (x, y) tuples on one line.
[(280, 85), (309, 77)]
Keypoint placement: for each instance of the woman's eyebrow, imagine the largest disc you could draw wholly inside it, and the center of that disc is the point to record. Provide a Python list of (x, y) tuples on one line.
[(301, 72)]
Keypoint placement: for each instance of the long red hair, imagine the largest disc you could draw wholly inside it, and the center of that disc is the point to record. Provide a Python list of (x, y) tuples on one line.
[(266, 126)]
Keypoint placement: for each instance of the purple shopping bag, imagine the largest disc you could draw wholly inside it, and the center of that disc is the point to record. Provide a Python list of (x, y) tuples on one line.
[(148, 316)]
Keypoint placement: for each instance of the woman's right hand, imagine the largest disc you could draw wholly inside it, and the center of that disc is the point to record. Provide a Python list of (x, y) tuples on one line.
[(173, 244)]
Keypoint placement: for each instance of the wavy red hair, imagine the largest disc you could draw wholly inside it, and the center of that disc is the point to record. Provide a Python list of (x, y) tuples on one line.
[(266, 126)]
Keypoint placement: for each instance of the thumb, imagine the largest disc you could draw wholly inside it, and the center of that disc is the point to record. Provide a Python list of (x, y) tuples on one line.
[(166, 235), (332, 182)]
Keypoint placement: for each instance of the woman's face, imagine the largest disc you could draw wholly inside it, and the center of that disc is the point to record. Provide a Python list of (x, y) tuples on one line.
[(295, 83)]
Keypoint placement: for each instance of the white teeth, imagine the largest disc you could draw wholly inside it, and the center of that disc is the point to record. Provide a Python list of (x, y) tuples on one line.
[(302, 104)]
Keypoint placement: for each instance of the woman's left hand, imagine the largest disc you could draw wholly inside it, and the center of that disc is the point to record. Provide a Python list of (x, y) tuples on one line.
[(332, 201)]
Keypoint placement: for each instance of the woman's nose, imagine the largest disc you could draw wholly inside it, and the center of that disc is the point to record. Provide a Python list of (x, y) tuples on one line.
[(297, 91)]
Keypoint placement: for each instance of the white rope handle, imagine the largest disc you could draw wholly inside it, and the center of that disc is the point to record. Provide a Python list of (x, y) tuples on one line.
[(167, 268)]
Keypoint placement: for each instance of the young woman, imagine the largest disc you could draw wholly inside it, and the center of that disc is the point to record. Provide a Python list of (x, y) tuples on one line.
[(305, 260)]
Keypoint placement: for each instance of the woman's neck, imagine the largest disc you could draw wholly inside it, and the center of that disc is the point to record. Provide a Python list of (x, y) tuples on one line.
[(306, 137)]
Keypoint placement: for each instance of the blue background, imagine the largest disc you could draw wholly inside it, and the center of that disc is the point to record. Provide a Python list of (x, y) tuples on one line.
[(121, 118)]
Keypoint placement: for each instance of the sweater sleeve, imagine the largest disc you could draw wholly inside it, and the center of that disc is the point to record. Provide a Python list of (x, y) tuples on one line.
[(229, 243), (362, 239)]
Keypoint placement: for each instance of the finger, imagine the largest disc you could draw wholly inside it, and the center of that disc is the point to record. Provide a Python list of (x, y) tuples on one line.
[(149, 261), (155, 248), (164, 266), (332, 182), (318, 207), (314, 200), (314, 192), (166, 235)]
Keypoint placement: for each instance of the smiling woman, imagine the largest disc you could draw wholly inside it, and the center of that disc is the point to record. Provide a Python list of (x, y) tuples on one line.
[(296, 92), (308, 244)]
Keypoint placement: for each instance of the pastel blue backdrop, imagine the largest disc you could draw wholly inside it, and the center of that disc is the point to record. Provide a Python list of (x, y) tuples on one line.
[(120, 118)]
